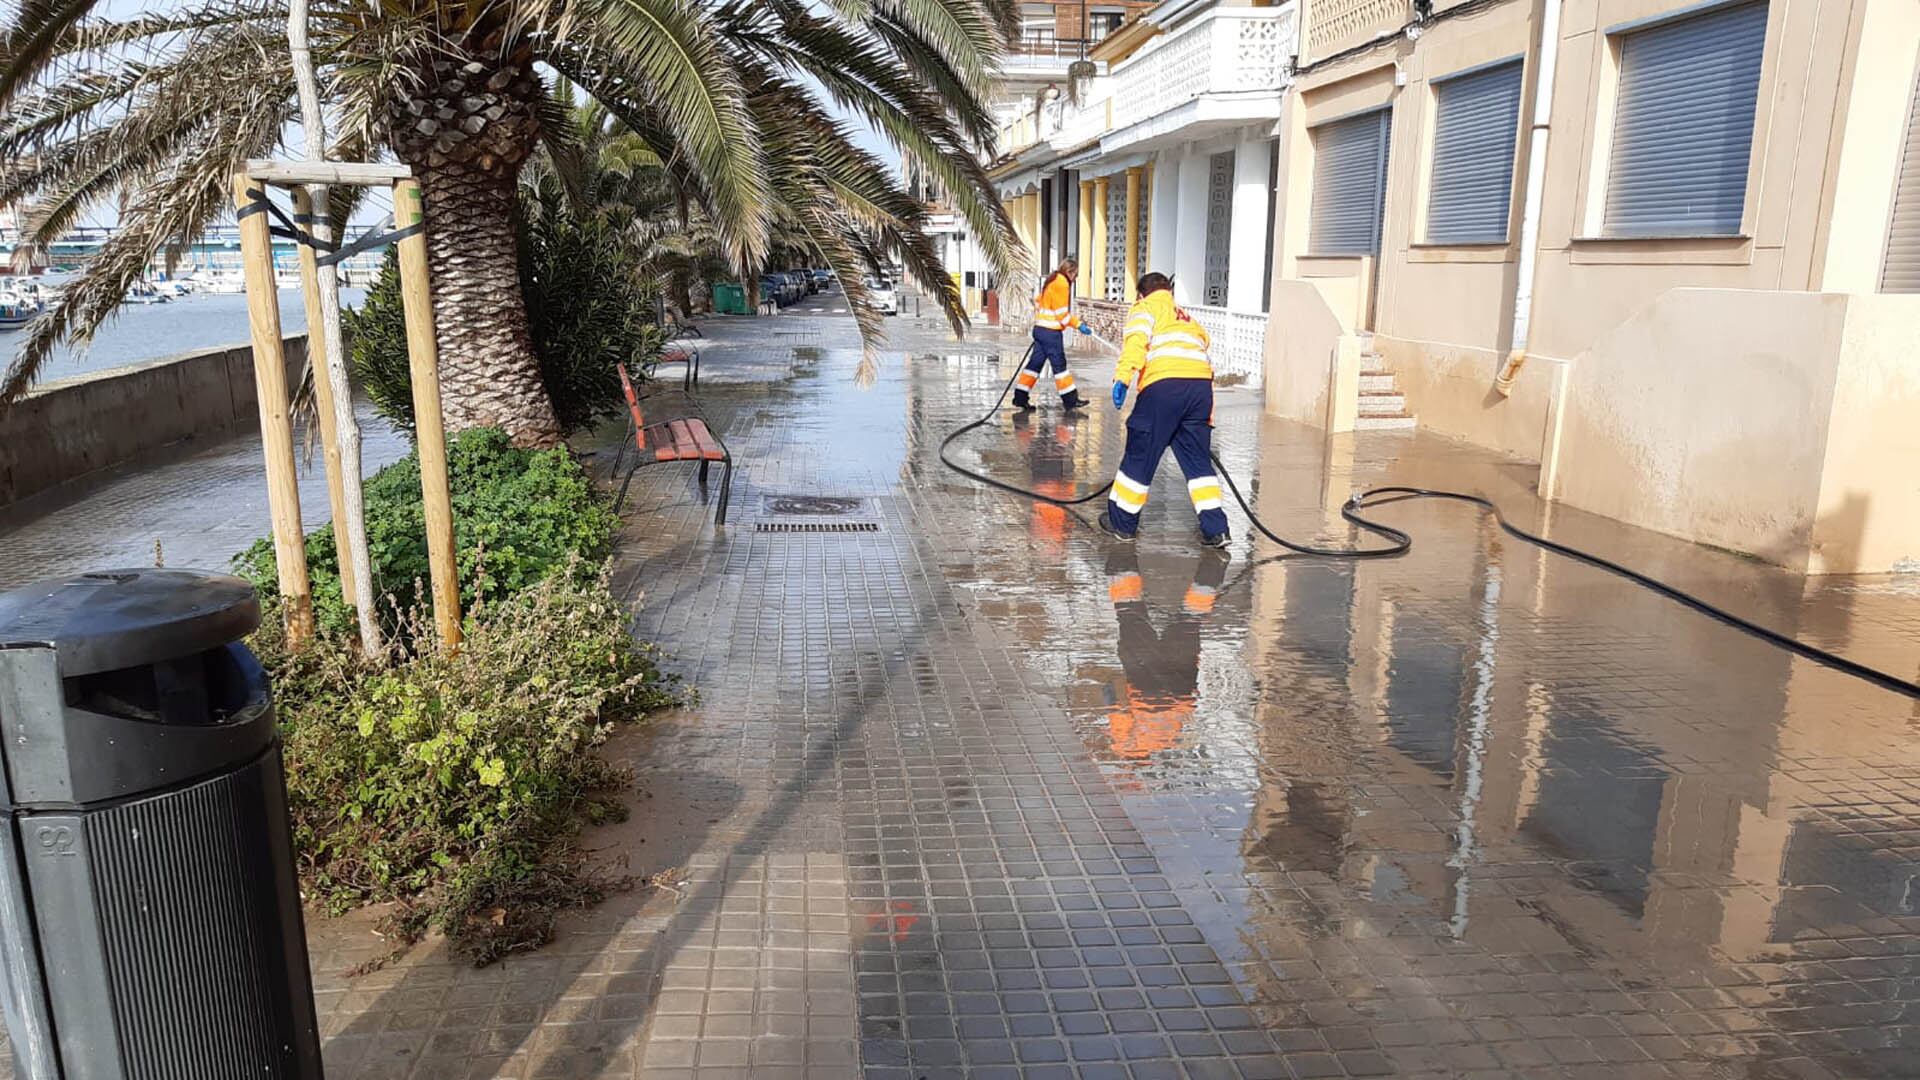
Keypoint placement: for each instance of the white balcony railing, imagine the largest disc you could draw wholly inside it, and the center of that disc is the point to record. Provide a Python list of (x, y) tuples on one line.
[(1239, 338), (1226, 50)]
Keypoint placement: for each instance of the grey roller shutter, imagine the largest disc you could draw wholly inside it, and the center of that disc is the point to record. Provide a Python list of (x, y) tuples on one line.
[(1684, 127), (1476, 119), (1349, 184), (1901, 270)]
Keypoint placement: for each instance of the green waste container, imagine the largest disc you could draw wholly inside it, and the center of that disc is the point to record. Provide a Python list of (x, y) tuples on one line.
[(730, 298)]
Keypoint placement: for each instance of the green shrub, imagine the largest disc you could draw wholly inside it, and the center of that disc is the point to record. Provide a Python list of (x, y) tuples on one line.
[(517, 514), (455, 782), (589, 307)]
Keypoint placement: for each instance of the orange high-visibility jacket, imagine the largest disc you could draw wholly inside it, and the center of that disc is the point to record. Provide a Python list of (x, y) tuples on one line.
[(1053, 308)]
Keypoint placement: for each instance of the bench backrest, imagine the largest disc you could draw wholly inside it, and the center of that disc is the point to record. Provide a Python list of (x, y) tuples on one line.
[(633, 399)]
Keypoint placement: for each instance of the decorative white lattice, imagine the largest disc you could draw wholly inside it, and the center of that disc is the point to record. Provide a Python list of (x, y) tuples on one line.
[(1115, 287), (1333, 25), (1239, 341)]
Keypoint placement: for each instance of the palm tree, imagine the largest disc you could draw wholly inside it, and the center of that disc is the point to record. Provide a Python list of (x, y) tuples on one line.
[(162, 107)]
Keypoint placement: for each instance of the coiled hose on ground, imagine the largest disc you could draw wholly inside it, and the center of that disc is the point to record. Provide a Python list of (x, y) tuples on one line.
[(1399, 543)]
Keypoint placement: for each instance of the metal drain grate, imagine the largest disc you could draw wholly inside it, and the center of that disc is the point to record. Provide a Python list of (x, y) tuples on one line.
[(817, 526), (810, 505)]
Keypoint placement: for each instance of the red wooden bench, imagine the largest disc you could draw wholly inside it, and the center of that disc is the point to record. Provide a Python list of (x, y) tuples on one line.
[(684, 439)]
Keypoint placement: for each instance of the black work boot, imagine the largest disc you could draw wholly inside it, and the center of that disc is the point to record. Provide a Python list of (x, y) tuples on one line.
[(1022, 401), (1072, 400)]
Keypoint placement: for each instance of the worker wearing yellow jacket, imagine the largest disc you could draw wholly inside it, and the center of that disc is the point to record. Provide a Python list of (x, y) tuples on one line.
[(1164, 352), (1052, 317)]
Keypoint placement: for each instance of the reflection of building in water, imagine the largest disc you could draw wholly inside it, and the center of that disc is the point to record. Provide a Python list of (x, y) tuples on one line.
[(1148, 712), (1480, 722)]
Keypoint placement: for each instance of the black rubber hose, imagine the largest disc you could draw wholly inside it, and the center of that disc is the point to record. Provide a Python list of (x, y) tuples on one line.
[(990, 481), (1678, 595), (1400, 542)]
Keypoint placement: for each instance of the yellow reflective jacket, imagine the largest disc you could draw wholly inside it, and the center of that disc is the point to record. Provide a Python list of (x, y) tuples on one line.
[(1053, 308), (1161, 341)]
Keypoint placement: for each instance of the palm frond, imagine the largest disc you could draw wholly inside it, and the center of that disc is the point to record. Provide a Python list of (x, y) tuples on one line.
[(32, 41), (666, 51), (182, 203)]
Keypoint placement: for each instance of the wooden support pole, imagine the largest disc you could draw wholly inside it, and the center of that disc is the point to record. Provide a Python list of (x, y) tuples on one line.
[(323, 389), (276, 427), (1086, 239), (1100, 226), (429, 427)]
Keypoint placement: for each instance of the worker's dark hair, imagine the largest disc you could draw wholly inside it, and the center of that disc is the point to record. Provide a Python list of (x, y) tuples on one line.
[(1153, 283)]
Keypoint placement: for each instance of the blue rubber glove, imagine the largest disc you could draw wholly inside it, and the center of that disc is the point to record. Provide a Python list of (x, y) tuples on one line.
[(1119, 394), (1087, 330)]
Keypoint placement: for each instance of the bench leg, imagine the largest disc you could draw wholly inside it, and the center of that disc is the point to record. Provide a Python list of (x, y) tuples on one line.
[(703, 474), (621, 502), (696, 367), (726, 491), (626, 441)]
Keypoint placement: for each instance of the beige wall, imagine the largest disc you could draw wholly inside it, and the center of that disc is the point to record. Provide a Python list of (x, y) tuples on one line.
[(1455, 303), (70, 428), (1773, 423), (1868, 515), (1835, 82), (1866, 151)]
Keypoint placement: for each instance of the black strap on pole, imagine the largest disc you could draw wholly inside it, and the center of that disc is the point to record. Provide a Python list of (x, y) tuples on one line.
[(329, 254)]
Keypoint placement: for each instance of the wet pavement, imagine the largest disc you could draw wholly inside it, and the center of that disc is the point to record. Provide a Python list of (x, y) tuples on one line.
[(186, 506), (970, 791)]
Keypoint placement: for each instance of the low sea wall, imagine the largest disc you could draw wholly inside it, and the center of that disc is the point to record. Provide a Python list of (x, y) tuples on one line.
[(70, 428)]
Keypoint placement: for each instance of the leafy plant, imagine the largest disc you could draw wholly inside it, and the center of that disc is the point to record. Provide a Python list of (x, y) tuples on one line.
[(455, 782), (518, 515)]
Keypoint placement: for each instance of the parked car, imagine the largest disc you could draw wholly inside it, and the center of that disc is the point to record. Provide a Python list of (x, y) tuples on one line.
[(881, 296), (772, 290), (824, 279)]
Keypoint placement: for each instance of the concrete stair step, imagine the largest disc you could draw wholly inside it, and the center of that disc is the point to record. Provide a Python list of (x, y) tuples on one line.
[(1376, 404), (1384, 423), (1378, 382)]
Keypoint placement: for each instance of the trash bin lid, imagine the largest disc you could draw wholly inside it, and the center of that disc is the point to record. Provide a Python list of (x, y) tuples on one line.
[(115, 619)]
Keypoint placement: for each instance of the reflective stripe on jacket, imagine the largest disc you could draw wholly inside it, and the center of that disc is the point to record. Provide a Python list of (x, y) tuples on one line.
[(1161, 341), (1053, 308)]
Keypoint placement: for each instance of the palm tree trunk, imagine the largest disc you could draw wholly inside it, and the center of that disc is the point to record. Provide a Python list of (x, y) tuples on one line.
[(466, 130), (489, 375)]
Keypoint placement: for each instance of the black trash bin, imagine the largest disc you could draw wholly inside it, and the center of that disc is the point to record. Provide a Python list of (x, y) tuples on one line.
[(149, 910)]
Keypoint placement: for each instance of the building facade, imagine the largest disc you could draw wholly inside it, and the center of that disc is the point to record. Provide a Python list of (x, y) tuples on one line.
[(1662, 248), (1159, 156)]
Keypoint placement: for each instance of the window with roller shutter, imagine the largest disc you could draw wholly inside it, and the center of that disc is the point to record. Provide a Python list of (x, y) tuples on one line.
[(1476, 123), (1349, 184), (1683, 126), (1900, 269)]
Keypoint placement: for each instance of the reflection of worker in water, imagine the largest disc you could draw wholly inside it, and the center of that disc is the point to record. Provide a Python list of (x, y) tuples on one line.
[(1162, 667), (1052, 471)]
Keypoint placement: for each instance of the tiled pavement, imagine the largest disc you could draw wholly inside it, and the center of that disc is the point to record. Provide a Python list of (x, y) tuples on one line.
[(957, 799), (191, 506)]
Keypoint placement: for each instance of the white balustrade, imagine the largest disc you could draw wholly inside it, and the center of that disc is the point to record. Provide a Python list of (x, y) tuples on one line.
[(1226, 50), (1239, 340)]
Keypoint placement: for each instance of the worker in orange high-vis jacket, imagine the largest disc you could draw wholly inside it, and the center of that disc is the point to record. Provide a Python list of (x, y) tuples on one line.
[(1164, 352), (1052, 317), (1162, 666)]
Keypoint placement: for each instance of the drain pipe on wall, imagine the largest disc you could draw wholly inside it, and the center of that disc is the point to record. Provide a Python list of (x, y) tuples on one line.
[(1536, 189)]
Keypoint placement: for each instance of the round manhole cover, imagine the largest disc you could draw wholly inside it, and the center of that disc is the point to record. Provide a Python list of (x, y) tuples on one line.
[(813, 505)]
